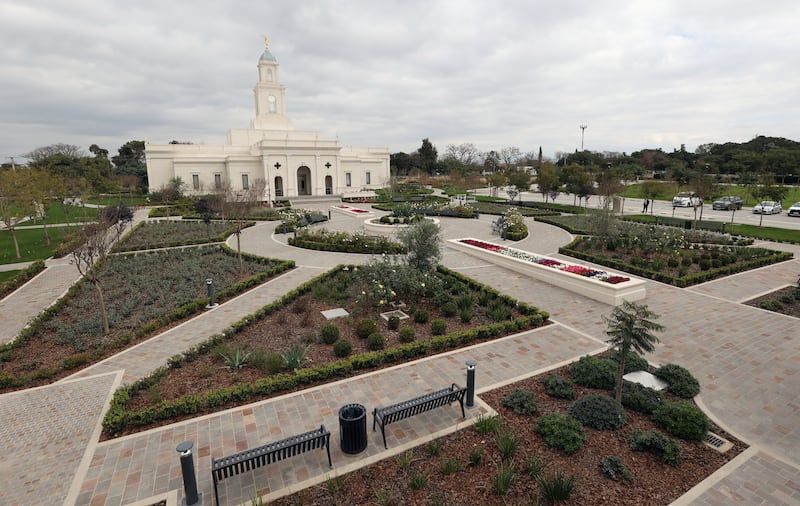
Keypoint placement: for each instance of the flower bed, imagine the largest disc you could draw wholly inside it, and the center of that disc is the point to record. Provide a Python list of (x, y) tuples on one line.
[(375, 225), (603, 286), (350, 210)]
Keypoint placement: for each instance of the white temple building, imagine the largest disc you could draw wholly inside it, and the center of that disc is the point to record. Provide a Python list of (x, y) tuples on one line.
[(291, 162)]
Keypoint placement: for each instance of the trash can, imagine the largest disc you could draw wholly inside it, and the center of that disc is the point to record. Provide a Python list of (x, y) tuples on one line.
[(353, 428), (617, 205)]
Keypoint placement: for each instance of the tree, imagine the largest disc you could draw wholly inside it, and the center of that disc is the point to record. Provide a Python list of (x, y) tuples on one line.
[(631, 326), (509, 157), (131, 161), (704, 187), (428, 156), (67, 150), (400, 163), (766, 189), (15, 202), (421, 240), (118, 217), (520, 180), (94, 246), (237, 205), (547, 181), (466, 153), (649, 192), (44, 188), (609, 183)]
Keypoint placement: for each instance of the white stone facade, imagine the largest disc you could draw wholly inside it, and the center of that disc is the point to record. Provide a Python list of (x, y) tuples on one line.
[(292, 163)]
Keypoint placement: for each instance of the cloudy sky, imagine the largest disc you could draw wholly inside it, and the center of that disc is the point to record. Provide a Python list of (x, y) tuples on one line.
[(638, 73)]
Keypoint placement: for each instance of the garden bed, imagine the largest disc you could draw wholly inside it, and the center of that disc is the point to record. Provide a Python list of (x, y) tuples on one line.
[(785, 301), (350, 210), (440, 471), (375, 225), (170, 233), (281, 348), (608, 288), (141, 298)]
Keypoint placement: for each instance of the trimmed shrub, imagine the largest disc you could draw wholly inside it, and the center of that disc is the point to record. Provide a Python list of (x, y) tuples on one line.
[(682, 419), (641, 398), (366, 327), (593, 372), (599, 412), (633, 362), (681, 382), (438, 327), (393, 323), (562, 432), (342, 348), (329, 333), (407, 334), (449, 309), (559, 387), (652, 441), (421, 316), (522, 402), (376, 341), (613, 467)]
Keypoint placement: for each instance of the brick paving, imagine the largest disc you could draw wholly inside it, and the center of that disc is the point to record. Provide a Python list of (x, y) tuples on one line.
[(746, 359)]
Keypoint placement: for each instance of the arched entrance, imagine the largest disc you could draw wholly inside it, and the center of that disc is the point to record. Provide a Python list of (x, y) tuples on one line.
[(328, 185), (278, 186), (304, 181)]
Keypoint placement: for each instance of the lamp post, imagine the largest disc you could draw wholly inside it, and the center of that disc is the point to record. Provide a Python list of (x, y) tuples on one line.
[(471, 383), (210, 288)]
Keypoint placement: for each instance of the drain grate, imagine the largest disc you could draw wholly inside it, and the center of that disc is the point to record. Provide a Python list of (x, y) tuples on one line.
[(718, 442)]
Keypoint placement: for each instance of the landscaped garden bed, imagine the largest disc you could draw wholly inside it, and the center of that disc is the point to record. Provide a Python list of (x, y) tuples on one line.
[(164, 234), (606, 287), (141, 298), (785, 301), (289, 344), (508, 461), (345, 242)]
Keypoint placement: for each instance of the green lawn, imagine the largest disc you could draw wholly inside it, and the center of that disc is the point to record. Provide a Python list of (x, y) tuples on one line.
[(31, 244), (57, 213), (113, 200), (4, 275), (766, 233)]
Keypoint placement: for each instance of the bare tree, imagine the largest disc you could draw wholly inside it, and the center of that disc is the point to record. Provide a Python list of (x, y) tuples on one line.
[(15, 202), (68, 150), (510, 156), (95, 243), (237, 206), (466, 153)]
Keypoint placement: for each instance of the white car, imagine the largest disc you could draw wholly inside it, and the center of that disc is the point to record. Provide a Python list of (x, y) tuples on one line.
[(794, 210), (686, 199), (767, 207)]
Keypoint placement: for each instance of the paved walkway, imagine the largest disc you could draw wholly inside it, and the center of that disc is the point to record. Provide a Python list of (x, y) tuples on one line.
[(746, 359)]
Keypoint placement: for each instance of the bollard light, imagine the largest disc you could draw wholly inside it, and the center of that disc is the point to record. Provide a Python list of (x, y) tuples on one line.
[(210, 288), (471, 383), (190, 495)]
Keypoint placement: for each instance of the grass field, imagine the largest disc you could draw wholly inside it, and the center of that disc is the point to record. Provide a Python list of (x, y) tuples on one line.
[(31, 244), (57, 213), (4, 275), (113, 200)]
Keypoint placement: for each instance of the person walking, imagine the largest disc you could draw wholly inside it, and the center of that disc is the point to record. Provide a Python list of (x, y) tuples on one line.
[(646, 205)]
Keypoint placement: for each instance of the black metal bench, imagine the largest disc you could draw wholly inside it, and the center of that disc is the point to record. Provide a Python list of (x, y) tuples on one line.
[(417, 405), (249, 460)]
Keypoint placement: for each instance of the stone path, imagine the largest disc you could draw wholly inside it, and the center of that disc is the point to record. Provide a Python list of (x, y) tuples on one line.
[(746, 359)]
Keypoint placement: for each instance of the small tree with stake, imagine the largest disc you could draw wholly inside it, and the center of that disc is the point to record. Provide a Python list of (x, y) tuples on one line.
[(631, 326), (95, 243)]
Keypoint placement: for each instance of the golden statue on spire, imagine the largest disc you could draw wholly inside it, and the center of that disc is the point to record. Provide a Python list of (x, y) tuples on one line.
[(266, 43)]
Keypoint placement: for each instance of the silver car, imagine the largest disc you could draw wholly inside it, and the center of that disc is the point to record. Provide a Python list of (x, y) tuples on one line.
[(767, 207)]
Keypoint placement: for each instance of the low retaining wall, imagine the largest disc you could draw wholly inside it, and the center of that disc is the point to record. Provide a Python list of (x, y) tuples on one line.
[(608, 293)]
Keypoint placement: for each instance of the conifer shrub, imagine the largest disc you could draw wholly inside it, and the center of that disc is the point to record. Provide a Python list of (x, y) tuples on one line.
[(593, 372), (599, 412), (680, 380)]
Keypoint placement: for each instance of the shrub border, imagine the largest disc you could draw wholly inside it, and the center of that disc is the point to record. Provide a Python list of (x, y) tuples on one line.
[(22, 277)]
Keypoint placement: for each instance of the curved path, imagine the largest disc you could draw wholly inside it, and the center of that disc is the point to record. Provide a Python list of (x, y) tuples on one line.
[(747, 360)]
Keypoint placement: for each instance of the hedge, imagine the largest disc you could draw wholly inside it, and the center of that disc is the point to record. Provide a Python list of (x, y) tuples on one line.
[(22, 277)]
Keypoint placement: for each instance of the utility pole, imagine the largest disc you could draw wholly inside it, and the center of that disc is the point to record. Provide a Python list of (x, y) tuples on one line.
[(583, 129)]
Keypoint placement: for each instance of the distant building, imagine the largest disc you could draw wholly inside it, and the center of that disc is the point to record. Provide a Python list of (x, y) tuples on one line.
[(292, 163)]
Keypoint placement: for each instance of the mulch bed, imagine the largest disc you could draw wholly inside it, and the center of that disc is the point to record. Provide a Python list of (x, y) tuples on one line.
[(788, 308), (653, 483)]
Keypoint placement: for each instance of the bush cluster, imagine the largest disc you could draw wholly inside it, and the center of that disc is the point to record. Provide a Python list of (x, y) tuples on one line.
[(342, 348), (421, 316), (633, 362), (599, 412), (393, 323), (683, 420), (559, 387), (681, 382), (366, 327), (329, 333), (641, 398), (522, 402), (376, 341), (652, 441), (407, 334), (562, 432), (438, 327), (593, 372), (613, 467)]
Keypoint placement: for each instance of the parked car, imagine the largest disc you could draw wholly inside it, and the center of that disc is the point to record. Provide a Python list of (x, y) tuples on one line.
[(727, 203), (794, 210), (686, 199), (767, 207)]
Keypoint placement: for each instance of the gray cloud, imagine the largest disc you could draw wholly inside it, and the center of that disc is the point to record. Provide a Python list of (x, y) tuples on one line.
[(390, 73)]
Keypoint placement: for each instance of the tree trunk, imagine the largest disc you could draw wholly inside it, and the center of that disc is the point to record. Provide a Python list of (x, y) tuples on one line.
[(16, 244), (103, 312), (239, 250), (46, 234)]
